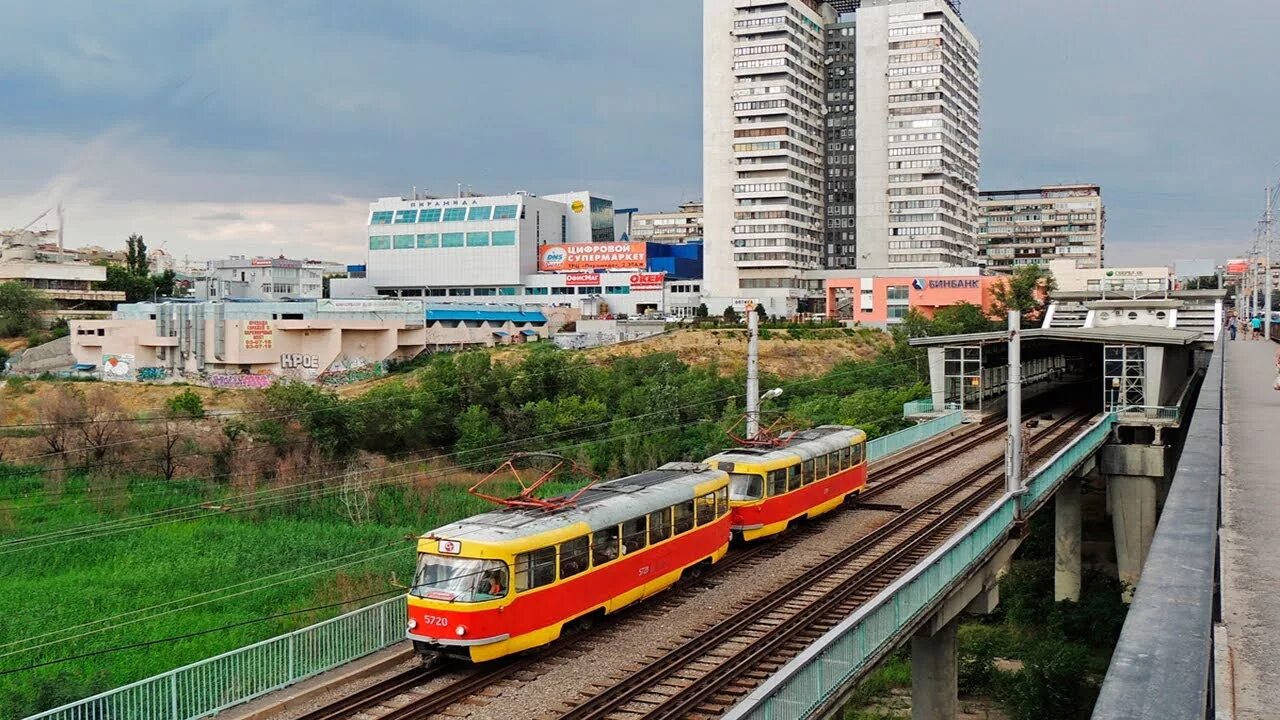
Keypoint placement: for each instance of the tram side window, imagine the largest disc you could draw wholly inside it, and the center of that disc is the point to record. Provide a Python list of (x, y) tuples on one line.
[(809, 468), (684, 516), (846, 456), (659, 525), (777, 482), (633, 532), (705, 509), (819, 467), (722, 502), (535, 569), (574, 556), (604, 545), (857, 453), (746, 486), (793, 476)]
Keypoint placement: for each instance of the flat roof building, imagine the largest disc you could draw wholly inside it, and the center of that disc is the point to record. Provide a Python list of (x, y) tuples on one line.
[(260, 278), (1034, 226), (672, 228)]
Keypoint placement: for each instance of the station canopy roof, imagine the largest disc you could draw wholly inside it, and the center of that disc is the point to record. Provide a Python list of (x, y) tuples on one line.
[(1119, 335)]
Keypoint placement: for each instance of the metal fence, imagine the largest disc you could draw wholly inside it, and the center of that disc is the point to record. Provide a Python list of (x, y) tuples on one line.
[(887, 445), (1151, 412), (837, 658), (920, 407), (207, 686)]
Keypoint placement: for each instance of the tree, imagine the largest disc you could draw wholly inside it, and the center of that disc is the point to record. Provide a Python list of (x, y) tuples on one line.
[(61, 414), (172, 448), (702, 311), (106, 422), (20, 308), (730, 315), (764, 314), (135, 256), (1026, 291)]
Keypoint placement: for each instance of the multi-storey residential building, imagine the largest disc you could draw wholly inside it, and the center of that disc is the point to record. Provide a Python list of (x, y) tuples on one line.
[(916, 135), (671, 228), (842, 90), (1032, 227), (259, 278), (764, 82)]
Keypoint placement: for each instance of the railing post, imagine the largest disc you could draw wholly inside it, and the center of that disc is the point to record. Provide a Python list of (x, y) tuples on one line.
[(173, 697), (293, 668)]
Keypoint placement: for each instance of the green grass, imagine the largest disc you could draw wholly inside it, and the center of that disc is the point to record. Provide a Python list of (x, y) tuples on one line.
[(61, 587)]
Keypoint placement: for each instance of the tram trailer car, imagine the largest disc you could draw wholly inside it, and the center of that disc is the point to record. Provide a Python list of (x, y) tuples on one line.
[(509, 580), (812, 473)]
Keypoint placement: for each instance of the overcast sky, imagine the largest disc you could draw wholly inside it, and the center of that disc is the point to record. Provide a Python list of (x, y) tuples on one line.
[(238, 127)]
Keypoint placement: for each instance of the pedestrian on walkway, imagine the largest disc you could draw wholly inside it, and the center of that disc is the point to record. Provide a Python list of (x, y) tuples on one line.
[(1256, 323), (1232, 328)]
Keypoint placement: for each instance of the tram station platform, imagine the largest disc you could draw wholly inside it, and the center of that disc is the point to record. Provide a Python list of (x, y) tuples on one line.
[(1250, 536)]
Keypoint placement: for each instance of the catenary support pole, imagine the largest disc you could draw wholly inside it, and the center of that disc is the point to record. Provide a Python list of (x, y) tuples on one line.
[(1013, 450), (753, 372), (1266, 271)]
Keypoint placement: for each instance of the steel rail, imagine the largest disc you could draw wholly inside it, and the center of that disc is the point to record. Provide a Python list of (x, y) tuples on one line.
[(626, 691)]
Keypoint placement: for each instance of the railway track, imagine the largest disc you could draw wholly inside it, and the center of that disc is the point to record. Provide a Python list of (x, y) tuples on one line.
[(711, 671), (385, 700)]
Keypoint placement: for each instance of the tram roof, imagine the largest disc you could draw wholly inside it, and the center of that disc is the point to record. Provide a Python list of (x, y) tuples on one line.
[(804, 443), (602, 505), (1126, 334)]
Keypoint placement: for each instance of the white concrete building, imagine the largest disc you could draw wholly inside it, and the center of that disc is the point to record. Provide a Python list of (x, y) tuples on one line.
[(670, 228), (764, 82), (260, 278), (1039, 225), (916, 135), (550, 251)]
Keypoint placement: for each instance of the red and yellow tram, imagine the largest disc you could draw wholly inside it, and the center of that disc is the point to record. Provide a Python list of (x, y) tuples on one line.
[(504, 581), (810, 473)]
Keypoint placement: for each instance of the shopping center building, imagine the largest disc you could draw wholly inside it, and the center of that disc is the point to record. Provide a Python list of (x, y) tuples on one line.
[(554, 250)]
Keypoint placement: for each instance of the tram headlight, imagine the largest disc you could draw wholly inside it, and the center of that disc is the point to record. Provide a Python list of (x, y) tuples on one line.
[(462, 630), (411, 624)]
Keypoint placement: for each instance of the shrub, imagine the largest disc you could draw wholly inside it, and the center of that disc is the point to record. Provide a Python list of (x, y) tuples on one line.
[(1055, 683), (186, 403)]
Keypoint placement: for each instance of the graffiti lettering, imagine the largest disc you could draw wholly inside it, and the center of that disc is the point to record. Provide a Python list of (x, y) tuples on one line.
[(151, 373), (292, 361), (340, 375), (237, 380)]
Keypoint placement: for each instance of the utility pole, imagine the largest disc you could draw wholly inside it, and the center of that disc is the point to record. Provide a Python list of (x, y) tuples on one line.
[(1013, 450), (753, 371), (1266, 270)]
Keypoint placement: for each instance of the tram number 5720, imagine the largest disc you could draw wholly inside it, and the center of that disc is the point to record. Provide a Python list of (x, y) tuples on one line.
[(435, 620)]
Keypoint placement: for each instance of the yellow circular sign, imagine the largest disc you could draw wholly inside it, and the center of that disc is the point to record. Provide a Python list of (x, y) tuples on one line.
[(578, 206)]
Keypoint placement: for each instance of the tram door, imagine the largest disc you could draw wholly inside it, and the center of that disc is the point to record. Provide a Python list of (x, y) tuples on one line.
[(1124, 376), (962, 376)]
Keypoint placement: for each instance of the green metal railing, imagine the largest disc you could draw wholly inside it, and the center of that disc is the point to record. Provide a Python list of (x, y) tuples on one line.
[(205, 687), (1149, 412), (847, 650), (887, 445), (920, 407)]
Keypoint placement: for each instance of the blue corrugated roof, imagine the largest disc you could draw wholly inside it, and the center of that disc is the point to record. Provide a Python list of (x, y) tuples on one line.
[(529, 332), (495, 315)]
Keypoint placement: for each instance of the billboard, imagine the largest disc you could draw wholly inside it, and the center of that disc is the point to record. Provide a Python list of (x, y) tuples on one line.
[(581, 279), (576, 257), (647, 281), (1237, 267)]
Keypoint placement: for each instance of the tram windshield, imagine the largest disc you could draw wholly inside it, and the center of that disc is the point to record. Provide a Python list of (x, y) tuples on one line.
[(746, 486), (458, 579)]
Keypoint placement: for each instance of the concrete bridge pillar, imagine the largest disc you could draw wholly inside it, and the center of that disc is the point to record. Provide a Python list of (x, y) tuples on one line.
[(934, 675), (1066, 545), (1133, 522)]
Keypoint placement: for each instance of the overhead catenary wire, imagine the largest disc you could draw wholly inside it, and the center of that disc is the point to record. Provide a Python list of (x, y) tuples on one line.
[(335, 462), (196, 510), (413, 585)]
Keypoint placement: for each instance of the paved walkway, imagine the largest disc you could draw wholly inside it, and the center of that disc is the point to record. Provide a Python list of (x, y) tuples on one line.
[(1251, 533)]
